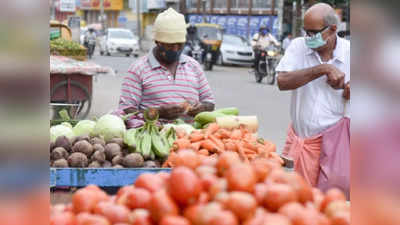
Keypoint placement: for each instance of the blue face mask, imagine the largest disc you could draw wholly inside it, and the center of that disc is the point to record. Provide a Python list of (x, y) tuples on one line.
[(315, 41), (264, 32)]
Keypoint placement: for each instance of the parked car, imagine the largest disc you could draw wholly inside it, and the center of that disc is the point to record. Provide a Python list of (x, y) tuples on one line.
[(235, 50), (119, 41)]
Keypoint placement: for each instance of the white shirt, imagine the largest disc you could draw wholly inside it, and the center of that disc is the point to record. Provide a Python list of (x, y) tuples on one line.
[(286, 43), (316, 106), (264, 41)]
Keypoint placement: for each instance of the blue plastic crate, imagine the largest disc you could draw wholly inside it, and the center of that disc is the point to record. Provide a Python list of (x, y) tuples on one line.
[(103, 177)]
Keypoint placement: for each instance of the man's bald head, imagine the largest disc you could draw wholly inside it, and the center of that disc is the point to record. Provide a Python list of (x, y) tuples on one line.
[(319, 16)]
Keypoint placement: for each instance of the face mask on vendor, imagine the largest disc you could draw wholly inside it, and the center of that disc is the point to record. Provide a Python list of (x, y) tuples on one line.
[(170, 53)]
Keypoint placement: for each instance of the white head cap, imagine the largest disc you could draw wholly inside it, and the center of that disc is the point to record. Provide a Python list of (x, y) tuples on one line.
[(170, 27)]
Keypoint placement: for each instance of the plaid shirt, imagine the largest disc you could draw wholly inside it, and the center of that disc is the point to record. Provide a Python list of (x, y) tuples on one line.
[(149, 84)]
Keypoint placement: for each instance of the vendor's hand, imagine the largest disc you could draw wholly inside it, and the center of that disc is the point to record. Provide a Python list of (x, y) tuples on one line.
[(171, 112), (346, 92), (201, 107), (335, 76)]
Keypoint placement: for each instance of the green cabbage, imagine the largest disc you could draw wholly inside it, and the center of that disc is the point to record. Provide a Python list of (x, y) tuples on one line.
[(66, 124), (84, 127), (60, 130), (109, 127)]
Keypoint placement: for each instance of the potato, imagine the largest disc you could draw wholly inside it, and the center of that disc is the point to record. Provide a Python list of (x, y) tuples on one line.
[(119, 141), (59, 153), (98, 156), (78, 159), (117, 160), (150, 164), (81, 138), (60, 163), (63, 141), (111, 150), (83, 146), (107, 164), (133, 160), (125, 151), (98, 147), (95, 164), (118, 166), (97, 140), (52, 146)]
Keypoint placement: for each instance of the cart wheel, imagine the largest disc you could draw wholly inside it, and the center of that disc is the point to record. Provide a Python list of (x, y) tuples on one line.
[(76, 112)]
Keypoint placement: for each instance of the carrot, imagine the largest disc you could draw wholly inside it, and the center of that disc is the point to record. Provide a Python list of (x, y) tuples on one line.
[(270, 146), (236, 134), (204, 152), (211, 129), (182, 143), (196, 136), (249, 146), (230, 145), (210, 146), (224, 133), (217, 141), (248, 151), (242, 153), (195, 145)]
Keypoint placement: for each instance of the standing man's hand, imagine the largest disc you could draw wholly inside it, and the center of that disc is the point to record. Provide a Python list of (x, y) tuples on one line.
[(171, 112), (346, 92), (200, 107), (335, 76)]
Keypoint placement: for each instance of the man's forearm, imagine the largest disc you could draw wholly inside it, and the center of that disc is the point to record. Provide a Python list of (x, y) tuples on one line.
[(295, 79)]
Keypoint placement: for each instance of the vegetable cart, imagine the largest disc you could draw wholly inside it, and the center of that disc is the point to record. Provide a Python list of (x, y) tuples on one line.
[(71, 84)]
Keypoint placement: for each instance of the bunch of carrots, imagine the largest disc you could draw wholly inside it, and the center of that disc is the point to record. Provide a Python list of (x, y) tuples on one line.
[(213, 141)]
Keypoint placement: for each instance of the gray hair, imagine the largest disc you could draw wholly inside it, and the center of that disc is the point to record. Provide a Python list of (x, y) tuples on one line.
[(331, 19)]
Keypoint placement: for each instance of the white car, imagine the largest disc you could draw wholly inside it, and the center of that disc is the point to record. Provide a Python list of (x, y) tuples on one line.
[(119, 41), (235, 50)]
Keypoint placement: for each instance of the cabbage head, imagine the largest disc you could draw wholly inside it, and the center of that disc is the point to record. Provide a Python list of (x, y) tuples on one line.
[(84, 127), (109, 127), (60, 130)]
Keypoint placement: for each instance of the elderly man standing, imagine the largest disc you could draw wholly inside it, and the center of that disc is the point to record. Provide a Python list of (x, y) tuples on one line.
[(165, 78), (316, 68)]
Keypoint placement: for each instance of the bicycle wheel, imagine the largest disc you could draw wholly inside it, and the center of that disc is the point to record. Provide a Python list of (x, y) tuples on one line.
[(80, 103)]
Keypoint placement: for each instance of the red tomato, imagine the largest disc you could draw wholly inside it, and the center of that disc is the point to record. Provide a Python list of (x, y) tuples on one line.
[(220, 186), (187, 158), (226, 160), (192, 213), (263, 167), (174, 220), (207, 213), (204, 197), (161, 204), (208, 161), (206, 170), (276, 219), (124, 190), (224, 218), (208, 180), (222, 198), (260, 190), (63, 218), (163, 175), (184, 185), (84, 200), (241, 177), (242, 204), (332, 195), (258, 218), (341, 218), (138, 198), (113, 212), (300, 215), (140, 217), (89, 219), (335, 207), (150, 182), (278, 195)]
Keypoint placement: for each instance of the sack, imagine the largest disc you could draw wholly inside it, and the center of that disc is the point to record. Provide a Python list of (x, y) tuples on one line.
[(335, 158)]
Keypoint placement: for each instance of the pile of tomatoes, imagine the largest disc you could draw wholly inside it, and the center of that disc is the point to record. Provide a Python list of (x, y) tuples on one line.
[(213, 191)]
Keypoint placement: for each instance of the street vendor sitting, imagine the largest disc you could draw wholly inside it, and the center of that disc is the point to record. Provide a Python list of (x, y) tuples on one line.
[(166, 79)]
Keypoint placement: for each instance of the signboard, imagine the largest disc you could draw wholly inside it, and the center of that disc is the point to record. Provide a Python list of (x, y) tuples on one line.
[(238, 25), (156, 4), (67, 6), (108, 4), (74, 23)]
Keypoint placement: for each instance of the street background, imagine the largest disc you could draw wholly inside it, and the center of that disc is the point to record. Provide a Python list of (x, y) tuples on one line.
[(232, 86)]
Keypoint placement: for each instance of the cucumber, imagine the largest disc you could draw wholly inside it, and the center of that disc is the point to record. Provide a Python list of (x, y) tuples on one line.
[(228, 111), (207, 117)]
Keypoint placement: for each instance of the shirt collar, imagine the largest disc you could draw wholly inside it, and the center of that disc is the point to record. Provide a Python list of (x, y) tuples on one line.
[(338, 53), (154, 63)]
